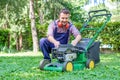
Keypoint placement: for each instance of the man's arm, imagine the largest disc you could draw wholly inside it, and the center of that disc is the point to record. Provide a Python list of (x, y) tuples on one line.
[(55, 42), (76, 40), (50, 34)]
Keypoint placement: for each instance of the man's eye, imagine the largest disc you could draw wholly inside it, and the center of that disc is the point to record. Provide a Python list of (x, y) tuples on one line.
[(64, 18)]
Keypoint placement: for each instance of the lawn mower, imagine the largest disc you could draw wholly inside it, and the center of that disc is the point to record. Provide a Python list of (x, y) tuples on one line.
[(84, 55)]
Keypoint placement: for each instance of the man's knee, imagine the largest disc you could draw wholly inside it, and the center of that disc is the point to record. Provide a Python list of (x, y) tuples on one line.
[(42, 41)]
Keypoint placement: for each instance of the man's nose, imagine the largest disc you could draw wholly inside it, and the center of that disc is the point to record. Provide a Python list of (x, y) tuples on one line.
[(64, 19)]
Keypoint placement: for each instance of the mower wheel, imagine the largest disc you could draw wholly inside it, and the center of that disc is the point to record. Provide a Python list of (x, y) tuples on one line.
[(68, 66), (90, 64), (43, 63)]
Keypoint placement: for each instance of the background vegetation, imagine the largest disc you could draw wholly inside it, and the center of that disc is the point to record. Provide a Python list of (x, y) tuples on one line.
[(15, 21)]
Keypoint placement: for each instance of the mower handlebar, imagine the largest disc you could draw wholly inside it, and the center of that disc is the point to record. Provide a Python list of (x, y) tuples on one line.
[(97, 13), (94, 11)]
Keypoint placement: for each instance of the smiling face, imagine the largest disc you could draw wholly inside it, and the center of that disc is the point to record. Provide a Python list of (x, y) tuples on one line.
[(64, 18)]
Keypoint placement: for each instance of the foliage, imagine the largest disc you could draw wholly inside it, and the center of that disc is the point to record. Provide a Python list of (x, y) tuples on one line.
[(115, 10), (111, 35), (14, 16), (49, 9), (108, 36), (77, 12), (3, 36), (27, 38), (26, 68), (3, 39), (42, 29)]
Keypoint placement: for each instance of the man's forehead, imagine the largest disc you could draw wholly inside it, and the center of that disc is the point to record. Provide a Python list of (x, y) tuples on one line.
[(63, 14)]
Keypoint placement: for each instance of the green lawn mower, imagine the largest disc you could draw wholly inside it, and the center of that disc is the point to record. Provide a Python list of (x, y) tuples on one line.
[(84, 55)]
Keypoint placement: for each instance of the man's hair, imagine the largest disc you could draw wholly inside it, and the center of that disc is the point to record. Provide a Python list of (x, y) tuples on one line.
[(65, 11)]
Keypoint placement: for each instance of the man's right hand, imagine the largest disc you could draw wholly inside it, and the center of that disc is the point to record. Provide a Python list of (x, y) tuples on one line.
[(56, 44)]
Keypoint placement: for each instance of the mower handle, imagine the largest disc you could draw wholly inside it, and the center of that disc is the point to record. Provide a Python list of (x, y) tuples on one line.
[(95, 11), (107, 13), (93, 14)]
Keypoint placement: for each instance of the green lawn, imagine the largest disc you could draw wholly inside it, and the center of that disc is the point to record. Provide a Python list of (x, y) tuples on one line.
[(26, 68)]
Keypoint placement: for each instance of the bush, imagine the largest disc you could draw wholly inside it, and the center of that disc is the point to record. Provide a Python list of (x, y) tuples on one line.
[(109, 35), (4, 33)]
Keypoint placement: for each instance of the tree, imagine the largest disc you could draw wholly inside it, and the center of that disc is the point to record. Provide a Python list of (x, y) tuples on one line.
[(13, 18), (33, 28)]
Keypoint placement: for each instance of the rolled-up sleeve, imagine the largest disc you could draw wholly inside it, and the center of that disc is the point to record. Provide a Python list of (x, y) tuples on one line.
[(74, 31), (50, 29)]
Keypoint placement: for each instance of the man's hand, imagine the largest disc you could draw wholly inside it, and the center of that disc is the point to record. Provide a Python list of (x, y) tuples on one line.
[(52, 40), (74, 42), (56, 44)]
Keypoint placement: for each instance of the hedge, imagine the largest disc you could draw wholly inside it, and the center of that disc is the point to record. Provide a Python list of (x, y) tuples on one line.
[(4, 34), (109, 36)]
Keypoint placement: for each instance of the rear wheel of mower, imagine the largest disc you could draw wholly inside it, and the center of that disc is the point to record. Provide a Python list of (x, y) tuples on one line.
[(68, 66), (43, 63), (90, 64)]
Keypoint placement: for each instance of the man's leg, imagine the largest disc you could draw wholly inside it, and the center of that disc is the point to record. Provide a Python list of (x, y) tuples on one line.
[(46, 47)]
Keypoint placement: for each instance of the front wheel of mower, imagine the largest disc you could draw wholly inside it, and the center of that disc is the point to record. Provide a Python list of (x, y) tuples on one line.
[(68, 66), (43, 63), (90, 64)]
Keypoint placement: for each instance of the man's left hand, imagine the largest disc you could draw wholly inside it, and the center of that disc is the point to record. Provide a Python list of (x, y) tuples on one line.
[(74, 42)]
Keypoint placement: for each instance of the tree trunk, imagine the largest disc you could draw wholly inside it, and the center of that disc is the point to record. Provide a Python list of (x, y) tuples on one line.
[(33, 28), (20, 41), (17, 43), (8, 40), (41, 16)]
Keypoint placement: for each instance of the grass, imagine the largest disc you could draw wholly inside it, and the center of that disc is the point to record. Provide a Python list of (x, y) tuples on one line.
[(26, 68)]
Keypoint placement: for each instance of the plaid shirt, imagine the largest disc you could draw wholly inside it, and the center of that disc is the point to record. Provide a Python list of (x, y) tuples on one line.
[(51, 27)]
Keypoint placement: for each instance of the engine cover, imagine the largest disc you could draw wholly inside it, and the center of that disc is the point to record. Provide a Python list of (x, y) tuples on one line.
[(70, 57)]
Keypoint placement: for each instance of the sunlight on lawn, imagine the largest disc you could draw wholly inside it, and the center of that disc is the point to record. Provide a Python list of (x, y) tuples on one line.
[(22, 54)]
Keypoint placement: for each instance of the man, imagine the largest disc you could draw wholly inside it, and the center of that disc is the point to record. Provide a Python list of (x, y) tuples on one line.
[(58, 33)]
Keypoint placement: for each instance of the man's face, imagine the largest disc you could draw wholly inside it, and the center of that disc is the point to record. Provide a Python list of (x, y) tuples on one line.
[(64, 18)]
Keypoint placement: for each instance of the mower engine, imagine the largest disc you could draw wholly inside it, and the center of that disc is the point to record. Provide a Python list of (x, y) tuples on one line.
[(64, 53)]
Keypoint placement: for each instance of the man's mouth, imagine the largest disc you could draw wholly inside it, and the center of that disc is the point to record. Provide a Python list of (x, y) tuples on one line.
[(64, 23)]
